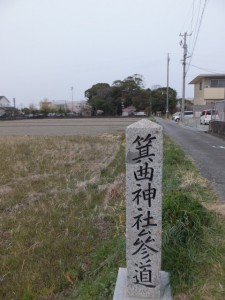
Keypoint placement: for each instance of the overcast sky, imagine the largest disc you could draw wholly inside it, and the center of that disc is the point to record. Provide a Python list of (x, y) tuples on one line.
[(47, 46)]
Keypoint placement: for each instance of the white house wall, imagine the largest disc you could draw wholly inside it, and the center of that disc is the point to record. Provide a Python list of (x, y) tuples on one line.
[(4, 102)]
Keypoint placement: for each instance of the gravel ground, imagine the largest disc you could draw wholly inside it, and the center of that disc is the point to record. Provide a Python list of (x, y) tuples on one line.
[(62, 127)]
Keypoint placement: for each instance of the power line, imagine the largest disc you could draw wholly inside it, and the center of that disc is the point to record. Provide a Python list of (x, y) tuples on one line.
[(197, 34), (193, 26), (211, 71), (192, 14), (187, 24)]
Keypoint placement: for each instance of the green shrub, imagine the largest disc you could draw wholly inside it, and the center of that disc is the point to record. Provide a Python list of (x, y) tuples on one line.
[(184, 218), (184, 221)]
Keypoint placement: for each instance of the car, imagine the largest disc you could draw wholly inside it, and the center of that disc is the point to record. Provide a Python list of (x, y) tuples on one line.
[(71, 114), (52, 114), (140, 114), (176, 117), (187, 115), (208, 116)]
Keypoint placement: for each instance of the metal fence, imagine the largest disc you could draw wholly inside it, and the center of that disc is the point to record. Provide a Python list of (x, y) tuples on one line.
[(218, 127), (220, 109)]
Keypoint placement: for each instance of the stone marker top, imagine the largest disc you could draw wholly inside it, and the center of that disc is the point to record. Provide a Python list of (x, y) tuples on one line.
[(143, 128), (145, 124)]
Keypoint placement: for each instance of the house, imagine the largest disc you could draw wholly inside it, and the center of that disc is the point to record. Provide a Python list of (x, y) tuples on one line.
[(10, 112), (208, 88), (128, 111), (60, 105), (4, 102), (78, 108)]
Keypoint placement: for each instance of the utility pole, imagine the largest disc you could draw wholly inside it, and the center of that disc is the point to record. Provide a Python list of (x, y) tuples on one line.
[(184, 44), (72, 96), (150, 103), (14, 105), (167, 86), (65, 108)]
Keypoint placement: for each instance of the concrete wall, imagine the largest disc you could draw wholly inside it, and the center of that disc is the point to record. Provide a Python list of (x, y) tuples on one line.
[(214, 93), (217, 128), (199, 94)]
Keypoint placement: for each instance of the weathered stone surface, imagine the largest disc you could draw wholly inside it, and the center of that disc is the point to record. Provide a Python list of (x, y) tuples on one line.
[(143, 208), (121, 287)]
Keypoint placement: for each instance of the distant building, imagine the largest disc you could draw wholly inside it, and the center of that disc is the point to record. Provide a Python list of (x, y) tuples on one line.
[(10, 112), (75, 106), (188, 104), (156, 86), (4, 102), (45, 104), (208, 88), (128, 111), (79, 108), (59, 105), (7, 111)]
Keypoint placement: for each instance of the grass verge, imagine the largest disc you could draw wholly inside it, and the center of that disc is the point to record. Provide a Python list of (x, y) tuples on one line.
[(193, 237), (63, 221)]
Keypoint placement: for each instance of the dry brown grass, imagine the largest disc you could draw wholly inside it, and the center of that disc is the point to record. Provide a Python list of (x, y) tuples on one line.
[(52, 211), (192, 177), (63, 219)]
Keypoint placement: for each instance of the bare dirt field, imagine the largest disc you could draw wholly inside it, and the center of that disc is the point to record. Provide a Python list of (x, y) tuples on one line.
[(62, 127)]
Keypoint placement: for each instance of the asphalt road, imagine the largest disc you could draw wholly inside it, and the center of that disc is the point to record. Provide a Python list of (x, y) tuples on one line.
[(207, 151)]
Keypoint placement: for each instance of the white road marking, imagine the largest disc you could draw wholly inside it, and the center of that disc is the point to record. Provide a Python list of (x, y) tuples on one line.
[(218, 147)]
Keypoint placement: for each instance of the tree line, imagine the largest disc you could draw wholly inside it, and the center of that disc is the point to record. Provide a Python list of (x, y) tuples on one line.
[(111, 99)]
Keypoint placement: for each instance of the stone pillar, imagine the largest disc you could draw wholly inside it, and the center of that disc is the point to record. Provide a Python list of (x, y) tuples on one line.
[(143, 208), (144, 154)]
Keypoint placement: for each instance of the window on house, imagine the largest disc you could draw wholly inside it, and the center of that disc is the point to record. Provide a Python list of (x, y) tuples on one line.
[(222, 83), (200, 86), (217, 83)]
